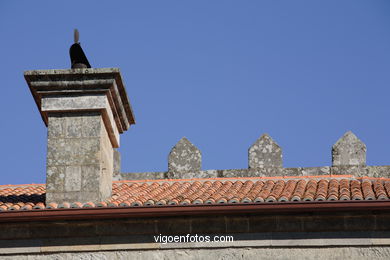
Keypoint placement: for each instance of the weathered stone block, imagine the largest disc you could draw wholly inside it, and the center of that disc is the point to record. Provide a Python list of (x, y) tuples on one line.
[(14, 231), (208, 225), (117, 162), (73, 102), (315, 171), (349, 150), (79, 158), (91, 177), (358, 171), (323, 223), (378, 171), (237, 225), (73, 151), (191, 175), (55, 178), (79, 106), (292, 171), (58, 128), (72, 178), (184, 157), (91, 126), (262, 224), (142, 176), (265, 152), (74, 127), (174, 226), (289, 224), (365, 221), (382, 221), (42, 230), (233, 173), (265, 172)]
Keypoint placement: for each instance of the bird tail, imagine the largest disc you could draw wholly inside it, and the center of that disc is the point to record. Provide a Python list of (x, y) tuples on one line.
[(76, 36)]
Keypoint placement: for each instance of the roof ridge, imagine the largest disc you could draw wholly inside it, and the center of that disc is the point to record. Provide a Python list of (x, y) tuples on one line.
[(243, 178), (329, 176), (21, 185)]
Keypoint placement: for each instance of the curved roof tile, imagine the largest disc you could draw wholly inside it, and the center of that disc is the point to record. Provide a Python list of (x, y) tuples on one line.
[(209, 191)]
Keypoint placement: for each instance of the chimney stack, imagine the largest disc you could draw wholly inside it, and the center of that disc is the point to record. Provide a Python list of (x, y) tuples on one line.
[(85, 111)]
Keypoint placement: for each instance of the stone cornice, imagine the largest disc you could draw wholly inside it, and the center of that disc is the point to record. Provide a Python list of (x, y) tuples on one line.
[(83, 82), (80, 90)]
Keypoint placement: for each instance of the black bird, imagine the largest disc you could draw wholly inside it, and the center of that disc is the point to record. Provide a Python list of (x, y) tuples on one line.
[(77, 56)]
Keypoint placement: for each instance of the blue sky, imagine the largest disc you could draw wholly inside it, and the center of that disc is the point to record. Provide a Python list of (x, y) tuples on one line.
[(220, 73)]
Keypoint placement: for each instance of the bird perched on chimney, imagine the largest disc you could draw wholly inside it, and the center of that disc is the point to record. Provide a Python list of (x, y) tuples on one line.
[(77, 56)]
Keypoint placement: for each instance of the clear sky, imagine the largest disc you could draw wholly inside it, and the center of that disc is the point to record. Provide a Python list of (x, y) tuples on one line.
[(220, 73)]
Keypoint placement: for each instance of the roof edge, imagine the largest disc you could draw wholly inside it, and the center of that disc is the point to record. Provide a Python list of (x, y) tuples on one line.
[(193, 210)]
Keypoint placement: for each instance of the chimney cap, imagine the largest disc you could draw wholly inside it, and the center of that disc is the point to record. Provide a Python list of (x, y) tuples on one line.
[(82, 82)]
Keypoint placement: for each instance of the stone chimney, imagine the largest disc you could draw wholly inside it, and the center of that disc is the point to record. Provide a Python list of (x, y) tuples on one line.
[(85, 111)]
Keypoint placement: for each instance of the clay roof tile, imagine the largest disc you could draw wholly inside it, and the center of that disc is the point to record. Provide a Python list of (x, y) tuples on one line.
[(209, 191)]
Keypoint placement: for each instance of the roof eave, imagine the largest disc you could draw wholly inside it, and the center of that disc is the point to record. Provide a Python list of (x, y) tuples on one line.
[(192, 210)]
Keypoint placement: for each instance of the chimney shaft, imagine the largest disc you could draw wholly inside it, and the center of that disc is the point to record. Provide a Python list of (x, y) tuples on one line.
[(85, 110)]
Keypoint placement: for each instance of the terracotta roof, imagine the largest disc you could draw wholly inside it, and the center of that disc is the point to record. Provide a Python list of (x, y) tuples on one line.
[(211, 191)]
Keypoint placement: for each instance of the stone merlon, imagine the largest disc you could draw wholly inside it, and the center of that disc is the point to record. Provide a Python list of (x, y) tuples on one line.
[(265, 152), (184, 157), (349, 151)]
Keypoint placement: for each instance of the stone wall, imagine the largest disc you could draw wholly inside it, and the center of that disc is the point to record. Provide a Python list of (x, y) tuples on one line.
[(256, 231), (370, 252)]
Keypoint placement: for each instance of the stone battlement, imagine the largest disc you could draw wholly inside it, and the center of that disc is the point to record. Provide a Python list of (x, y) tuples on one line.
[(264, 160)]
